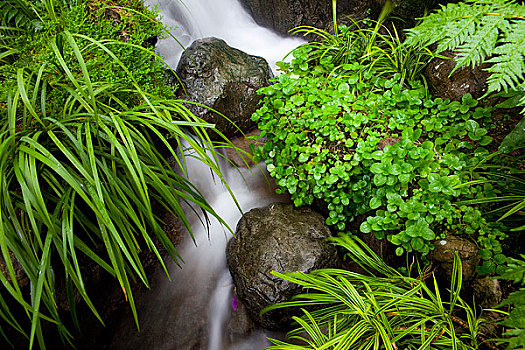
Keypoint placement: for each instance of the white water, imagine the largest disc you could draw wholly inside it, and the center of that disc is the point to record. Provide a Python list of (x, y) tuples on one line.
[(224, 19), (192, 311)]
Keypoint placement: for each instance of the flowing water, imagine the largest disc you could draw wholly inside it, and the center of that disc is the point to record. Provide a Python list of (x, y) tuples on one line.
[(224, 19), (194, 310)]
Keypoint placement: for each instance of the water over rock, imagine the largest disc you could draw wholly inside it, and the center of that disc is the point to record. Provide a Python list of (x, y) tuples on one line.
[(282, 238), (225, 79), (242, 158)]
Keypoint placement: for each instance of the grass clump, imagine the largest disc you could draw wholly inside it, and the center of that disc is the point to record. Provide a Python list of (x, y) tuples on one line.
[(86, 121), (381, 309)]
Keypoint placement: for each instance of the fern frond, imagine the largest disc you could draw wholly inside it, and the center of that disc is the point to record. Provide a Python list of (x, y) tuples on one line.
[(479, 30), (507, 69), (449, 27), (482, 42), (17, 14)]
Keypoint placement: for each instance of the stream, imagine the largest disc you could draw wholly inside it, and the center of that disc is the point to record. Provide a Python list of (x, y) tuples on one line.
[(194, 310), (224, 19)]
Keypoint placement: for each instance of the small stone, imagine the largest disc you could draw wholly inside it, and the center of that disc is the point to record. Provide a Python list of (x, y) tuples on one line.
[(242, 160), (443, 257), (487, 292), (445, 84)]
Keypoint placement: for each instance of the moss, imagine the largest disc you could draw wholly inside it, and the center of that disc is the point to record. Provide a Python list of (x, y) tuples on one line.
[(132, 29)]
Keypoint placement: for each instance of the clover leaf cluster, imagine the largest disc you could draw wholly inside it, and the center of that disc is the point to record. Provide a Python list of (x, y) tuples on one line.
[(376, 152)]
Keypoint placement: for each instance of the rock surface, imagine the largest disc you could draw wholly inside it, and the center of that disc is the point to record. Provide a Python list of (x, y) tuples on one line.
[(281, 238), (406, 12), (487, 292), (453, 86), (225, 79), (443, 255), (243, 157), (283, 15), (20, 275)]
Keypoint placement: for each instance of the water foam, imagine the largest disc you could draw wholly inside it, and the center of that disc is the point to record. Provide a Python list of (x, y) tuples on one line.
[(224, 19)]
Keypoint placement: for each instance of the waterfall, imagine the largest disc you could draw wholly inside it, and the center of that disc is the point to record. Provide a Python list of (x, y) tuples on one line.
[(192, 309), (224, 19)]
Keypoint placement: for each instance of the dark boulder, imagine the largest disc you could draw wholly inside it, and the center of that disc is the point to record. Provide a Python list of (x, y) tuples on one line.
[(464, 80), (284, 15), (281, 238), (405, 13), (21, 277), (487, 292), (225, 79), (243, 157), (443, 258)]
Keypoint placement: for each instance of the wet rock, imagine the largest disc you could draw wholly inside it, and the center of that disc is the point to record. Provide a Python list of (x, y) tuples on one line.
[(225, 79), (487, 292), (281, 238), (443, 256), (246, 143), (406, 12), (385, 249), (240, 323), (387, 141), (453, 86), (284, 15)]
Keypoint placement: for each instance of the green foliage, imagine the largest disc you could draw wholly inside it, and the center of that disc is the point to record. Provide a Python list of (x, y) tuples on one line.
[(515, 323), (367, 44), (363, 143), (515, 139), (128, 35), (507, 195), (477, 30), (83, 159), (18, 14), (483, 31), (381, 309), (515, 271)]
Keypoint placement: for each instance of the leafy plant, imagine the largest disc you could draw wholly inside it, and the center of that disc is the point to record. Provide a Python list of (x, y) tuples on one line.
[(368, 44), (364, 143), (381, 309), (81, 165), (500, 193), (482, 31), (515, 322), (479, 31), (17, 14), (506, 178)]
